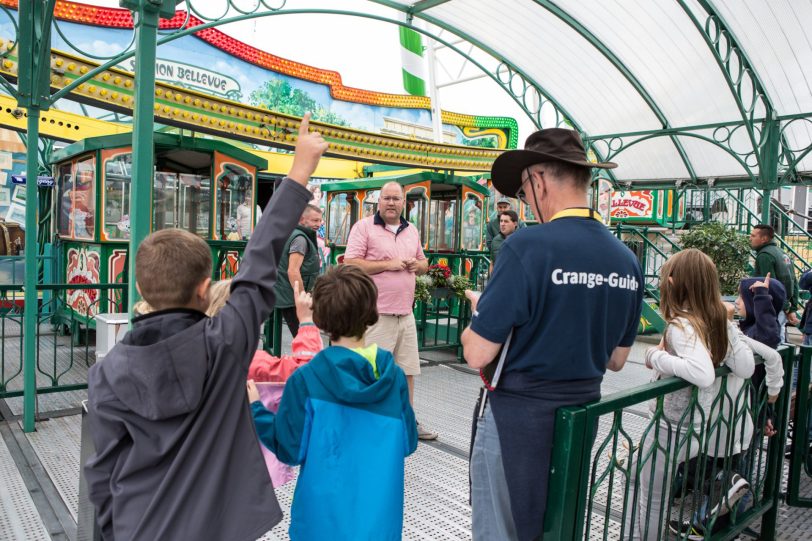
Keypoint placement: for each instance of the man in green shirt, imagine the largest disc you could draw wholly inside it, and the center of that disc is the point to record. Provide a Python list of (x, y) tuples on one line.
[(770, 259), (508, 223), (300, 263)]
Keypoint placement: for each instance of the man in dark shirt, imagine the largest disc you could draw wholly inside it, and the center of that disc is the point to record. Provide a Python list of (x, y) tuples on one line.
[(508, 223), (300, 263), (770, 259), (565, 299)]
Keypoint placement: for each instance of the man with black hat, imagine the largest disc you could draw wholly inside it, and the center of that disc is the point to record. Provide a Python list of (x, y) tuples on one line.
[(565, 300)]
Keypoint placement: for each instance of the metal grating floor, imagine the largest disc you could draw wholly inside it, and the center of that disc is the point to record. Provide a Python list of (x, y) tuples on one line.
[(56, 443), (18, 515), (436, 491)]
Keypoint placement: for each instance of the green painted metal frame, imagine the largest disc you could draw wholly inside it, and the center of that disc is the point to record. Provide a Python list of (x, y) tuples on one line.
[(32, 92), (800, 463), (569, 489)]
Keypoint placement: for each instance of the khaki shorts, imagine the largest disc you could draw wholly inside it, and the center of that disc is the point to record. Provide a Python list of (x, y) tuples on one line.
[(397, 334)]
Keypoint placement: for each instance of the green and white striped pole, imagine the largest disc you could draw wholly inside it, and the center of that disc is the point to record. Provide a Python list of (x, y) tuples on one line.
[(411, 54)]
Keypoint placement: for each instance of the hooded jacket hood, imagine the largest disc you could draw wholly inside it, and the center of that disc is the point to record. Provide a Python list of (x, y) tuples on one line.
[(762, 306), (777, 293), (159, 369), (353, 375)]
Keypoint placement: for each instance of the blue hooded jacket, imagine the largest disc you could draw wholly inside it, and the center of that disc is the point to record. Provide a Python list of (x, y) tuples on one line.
[(351, 433), (762, 306)]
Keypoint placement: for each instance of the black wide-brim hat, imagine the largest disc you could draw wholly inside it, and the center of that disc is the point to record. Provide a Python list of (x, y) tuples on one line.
[(552, 144)]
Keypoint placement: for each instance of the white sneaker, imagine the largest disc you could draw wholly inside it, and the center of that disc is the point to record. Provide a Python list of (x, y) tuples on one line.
[(425, 434), (737, 488)]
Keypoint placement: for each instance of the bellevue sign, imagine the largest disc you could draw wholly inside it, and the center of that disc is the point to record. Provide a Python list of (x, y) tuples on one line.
[(192, 77)]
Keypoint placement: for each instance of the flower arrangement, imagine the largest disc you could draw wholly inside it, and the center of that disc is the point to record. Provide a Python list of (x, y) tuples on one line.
[(439, 274), (439, 277)]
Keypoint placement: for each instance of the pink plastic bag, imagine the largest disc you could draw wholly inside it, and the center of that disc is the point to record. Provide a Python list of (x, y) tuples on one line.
[(270, 394)]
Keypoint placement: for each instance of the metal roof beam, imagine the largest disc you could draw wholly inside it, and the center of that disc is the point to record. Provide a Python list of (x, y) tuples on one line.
[(423, 5), (504, 69), (601, 47), (723, 46)]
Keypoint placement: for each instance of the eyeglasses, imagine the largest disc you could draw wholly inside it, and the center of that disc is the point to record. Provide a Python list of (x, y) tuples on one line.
[(520, 194)]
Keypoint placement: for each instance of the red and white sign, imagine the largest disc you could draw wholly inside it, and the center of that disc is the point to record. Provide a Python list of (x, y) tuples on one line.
[(632, 204)]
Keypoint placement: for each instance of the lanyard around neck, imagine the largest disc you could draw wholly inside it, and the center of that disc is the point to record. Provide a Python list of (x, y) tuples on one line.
[(577, 213)]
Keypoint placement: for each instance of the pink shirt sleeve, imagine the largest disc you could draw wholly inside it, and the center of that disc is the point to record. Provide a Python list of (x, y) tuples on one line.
[(357, 241)]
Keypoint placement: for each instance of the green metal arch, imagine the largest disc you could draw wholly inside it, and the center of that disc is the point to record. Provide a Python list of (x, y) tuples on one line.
[(745, 65), (623, 69), (693, 135), (494, 54)]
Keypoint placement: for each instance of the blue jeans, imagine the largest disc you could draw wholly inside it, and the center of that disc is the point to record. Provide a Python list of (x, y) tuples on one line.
[(491, 516)]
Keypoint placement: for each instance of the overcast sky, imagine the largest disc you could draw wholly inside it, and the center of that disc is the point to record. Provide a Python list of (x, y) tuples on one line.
[(365, 52)]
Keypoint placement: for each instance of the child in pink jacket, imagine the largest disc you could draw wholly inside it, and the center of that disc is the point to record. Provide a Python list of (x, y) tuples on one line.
[(269, 372)]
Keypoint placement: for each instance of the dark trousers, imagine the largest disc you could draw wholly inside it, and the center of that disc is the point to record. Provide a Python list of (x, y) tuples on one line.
[(292, 321)]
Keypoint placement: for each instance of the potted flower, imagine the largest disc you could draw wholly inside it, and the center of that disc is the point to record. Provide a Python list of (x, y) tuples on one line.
[(439, 275)]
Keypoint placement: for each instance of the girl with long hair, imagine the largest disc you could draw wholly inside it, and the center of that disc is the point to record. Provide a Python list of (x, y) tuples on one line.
[(698, 339)]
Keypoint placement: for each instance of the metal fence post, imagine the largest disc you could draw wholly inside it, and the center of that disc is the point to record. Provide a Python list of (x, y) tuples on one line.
[(568, 483), (146, 32), (800, 445), (772, 479)]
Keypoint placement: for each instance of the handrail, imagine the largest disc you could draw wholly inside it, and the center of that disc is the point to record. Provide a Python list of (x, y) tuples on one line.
[(636, 231), (579, 471)]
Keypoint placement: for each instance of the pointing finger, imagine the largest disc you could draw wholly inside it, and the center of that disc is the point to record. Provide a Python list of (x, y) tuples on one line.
[(304, 127)]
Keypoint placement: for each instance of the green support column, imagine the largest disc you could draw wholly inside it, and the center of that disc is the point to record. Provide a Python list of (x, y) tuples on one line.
[(765, 206), (32, 94), (30, 313), (768, 172), (145, 14)]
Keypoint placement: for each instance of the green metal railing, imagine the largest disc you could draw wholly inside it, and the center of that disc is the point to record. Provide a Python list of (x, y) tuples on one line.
[(63, 350), (800, 464), (608, 451), (440, 323)]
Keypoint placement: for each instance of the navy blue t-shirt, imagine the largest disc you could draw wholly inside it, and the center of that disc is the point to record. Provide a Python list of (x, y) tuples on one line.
[(572, 291)]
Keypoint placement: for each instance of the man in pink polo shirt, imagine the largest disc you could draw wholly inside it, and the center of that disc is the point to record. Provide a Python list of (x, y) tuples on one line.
[(388, 248)]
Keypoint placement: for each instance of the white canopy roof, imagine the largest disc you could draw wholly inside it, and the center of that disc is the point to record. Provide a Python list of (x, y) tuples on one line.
[(631, 66)]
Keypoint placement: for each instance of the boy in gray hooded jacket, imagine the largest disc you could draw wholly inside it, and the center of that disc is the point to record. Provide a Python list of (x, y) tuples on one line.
[(176, 456)]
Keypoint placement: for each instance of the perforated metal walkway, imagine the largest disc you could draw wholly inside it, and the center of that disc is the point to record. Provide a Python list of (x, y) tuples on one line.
[(436, 496)]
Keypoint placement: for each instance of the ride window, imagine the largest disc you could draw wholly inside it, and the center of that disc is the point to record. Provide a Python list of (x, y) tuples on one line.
[(342, 217), (79, 201), (194, 197), (164, 200), (117, 190), (234, 215), (472, 223), (442, 224), (370, 203), (416, 211)]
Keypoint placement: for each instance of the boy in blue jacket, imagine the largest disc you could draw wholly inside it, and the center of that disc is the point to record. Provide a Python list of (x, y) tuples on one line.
[(345, 417)]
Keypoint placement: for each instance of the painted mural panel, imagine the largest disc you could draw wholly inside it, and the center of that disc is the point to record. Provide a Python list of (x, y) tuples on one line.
[(220, 65), (84, 264)]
